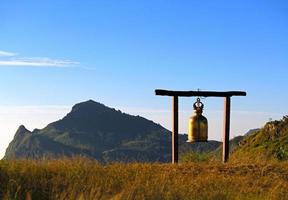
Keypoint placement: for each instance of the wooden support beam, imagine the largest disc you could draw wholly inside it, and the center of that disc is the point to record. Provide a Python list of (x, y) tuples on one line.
[(227, 110), (175, 131), (199, 93)]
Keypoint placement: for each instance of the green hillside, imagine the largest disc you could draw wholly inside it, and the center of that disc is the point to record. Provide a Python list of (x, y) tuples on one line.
[(270, 142)]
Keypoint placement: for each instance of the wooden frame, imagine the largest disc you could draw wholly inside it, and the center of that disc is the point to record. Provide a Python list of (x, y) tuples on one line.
[(227, 111)]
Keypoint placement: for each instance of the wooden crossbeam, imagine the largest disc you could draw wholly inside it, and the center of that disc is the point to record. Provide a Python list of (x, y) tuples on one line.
[(199, 93)]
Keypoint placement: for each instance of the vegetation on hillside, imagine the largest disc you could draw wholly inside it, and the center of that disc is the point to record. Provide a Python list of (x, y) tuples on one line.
[(268, 143), (81, 178)]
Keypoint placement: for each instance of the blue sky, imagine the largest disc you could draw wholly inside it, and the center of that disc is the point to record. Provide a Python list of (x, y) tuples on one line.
[(54, 54)]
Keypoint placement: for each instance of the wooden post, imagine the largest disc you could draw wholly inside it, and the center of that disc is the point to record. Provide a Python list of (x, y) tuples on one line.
[(175, 131), (227, 108)]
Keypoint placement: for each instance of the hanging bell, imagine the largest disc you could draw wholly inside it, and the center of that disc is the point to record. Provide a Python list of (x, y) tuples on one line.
[(198, 124)]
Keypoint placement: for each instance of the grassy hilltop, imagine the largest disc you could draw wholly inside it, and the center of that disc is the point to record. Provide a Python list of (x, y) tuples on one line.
[(81, 178)]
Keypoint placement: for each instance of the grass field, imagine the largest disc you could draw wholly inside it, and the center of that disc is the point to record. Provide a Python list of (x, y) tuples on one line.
[(80, 178)]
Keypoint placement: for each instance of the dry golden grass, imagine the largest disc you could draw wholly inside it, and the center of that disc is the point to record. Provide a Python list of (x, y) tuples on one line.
[(80, 178)]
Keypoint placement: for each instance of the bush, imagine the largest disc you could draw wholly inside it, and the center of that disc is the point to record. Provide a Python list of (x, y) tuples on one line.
[(195, 157), (281, 154)]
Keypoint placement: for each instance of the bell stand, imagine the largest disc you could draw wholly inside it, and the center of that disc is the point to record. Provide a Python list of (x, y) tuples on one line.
[(227, 110)]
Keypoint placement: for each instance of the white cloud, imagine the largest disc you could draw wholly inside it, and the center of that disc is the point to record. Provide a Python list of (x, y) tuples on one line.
[(7, 53), (37, 62), (15, 61)]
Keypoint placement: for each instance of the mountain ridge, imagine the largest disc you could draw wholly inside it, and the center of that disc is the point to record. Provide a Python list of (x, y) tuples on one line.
[(94, 130)]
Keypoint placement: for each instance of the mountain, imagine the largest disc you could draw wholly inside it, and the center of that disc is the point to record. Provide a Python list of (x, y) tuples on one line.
[(94, 130), (269, 142)]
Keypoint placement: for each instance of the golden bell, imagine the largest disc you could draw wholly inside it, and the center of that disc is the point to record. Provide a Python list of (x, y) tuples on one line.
[(198, 124)]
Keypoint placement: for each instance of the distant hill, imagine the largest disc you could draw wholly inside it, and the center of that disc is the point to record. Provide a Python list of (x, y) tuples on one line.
[(94, 130), (234, 143), (269, 142), (251, 131)]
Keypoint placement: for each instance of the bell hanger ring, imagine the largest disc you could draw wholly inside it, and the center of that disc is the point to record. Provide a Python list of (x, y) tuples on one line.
[(198, 104)]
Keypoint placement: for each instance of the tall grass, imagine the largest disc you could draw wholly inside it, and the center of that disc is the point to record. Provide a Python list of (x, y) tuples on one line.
[(81, 178)]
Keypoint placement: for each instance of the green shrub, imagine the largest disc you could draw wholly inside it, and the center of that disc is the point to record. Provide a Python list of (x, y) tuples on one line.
[(281, 154), (194, 157)]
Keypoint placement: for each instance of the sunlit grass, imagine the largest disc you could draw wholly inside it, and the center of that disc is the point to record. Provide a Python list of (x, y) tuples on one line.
[(81, 178)]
